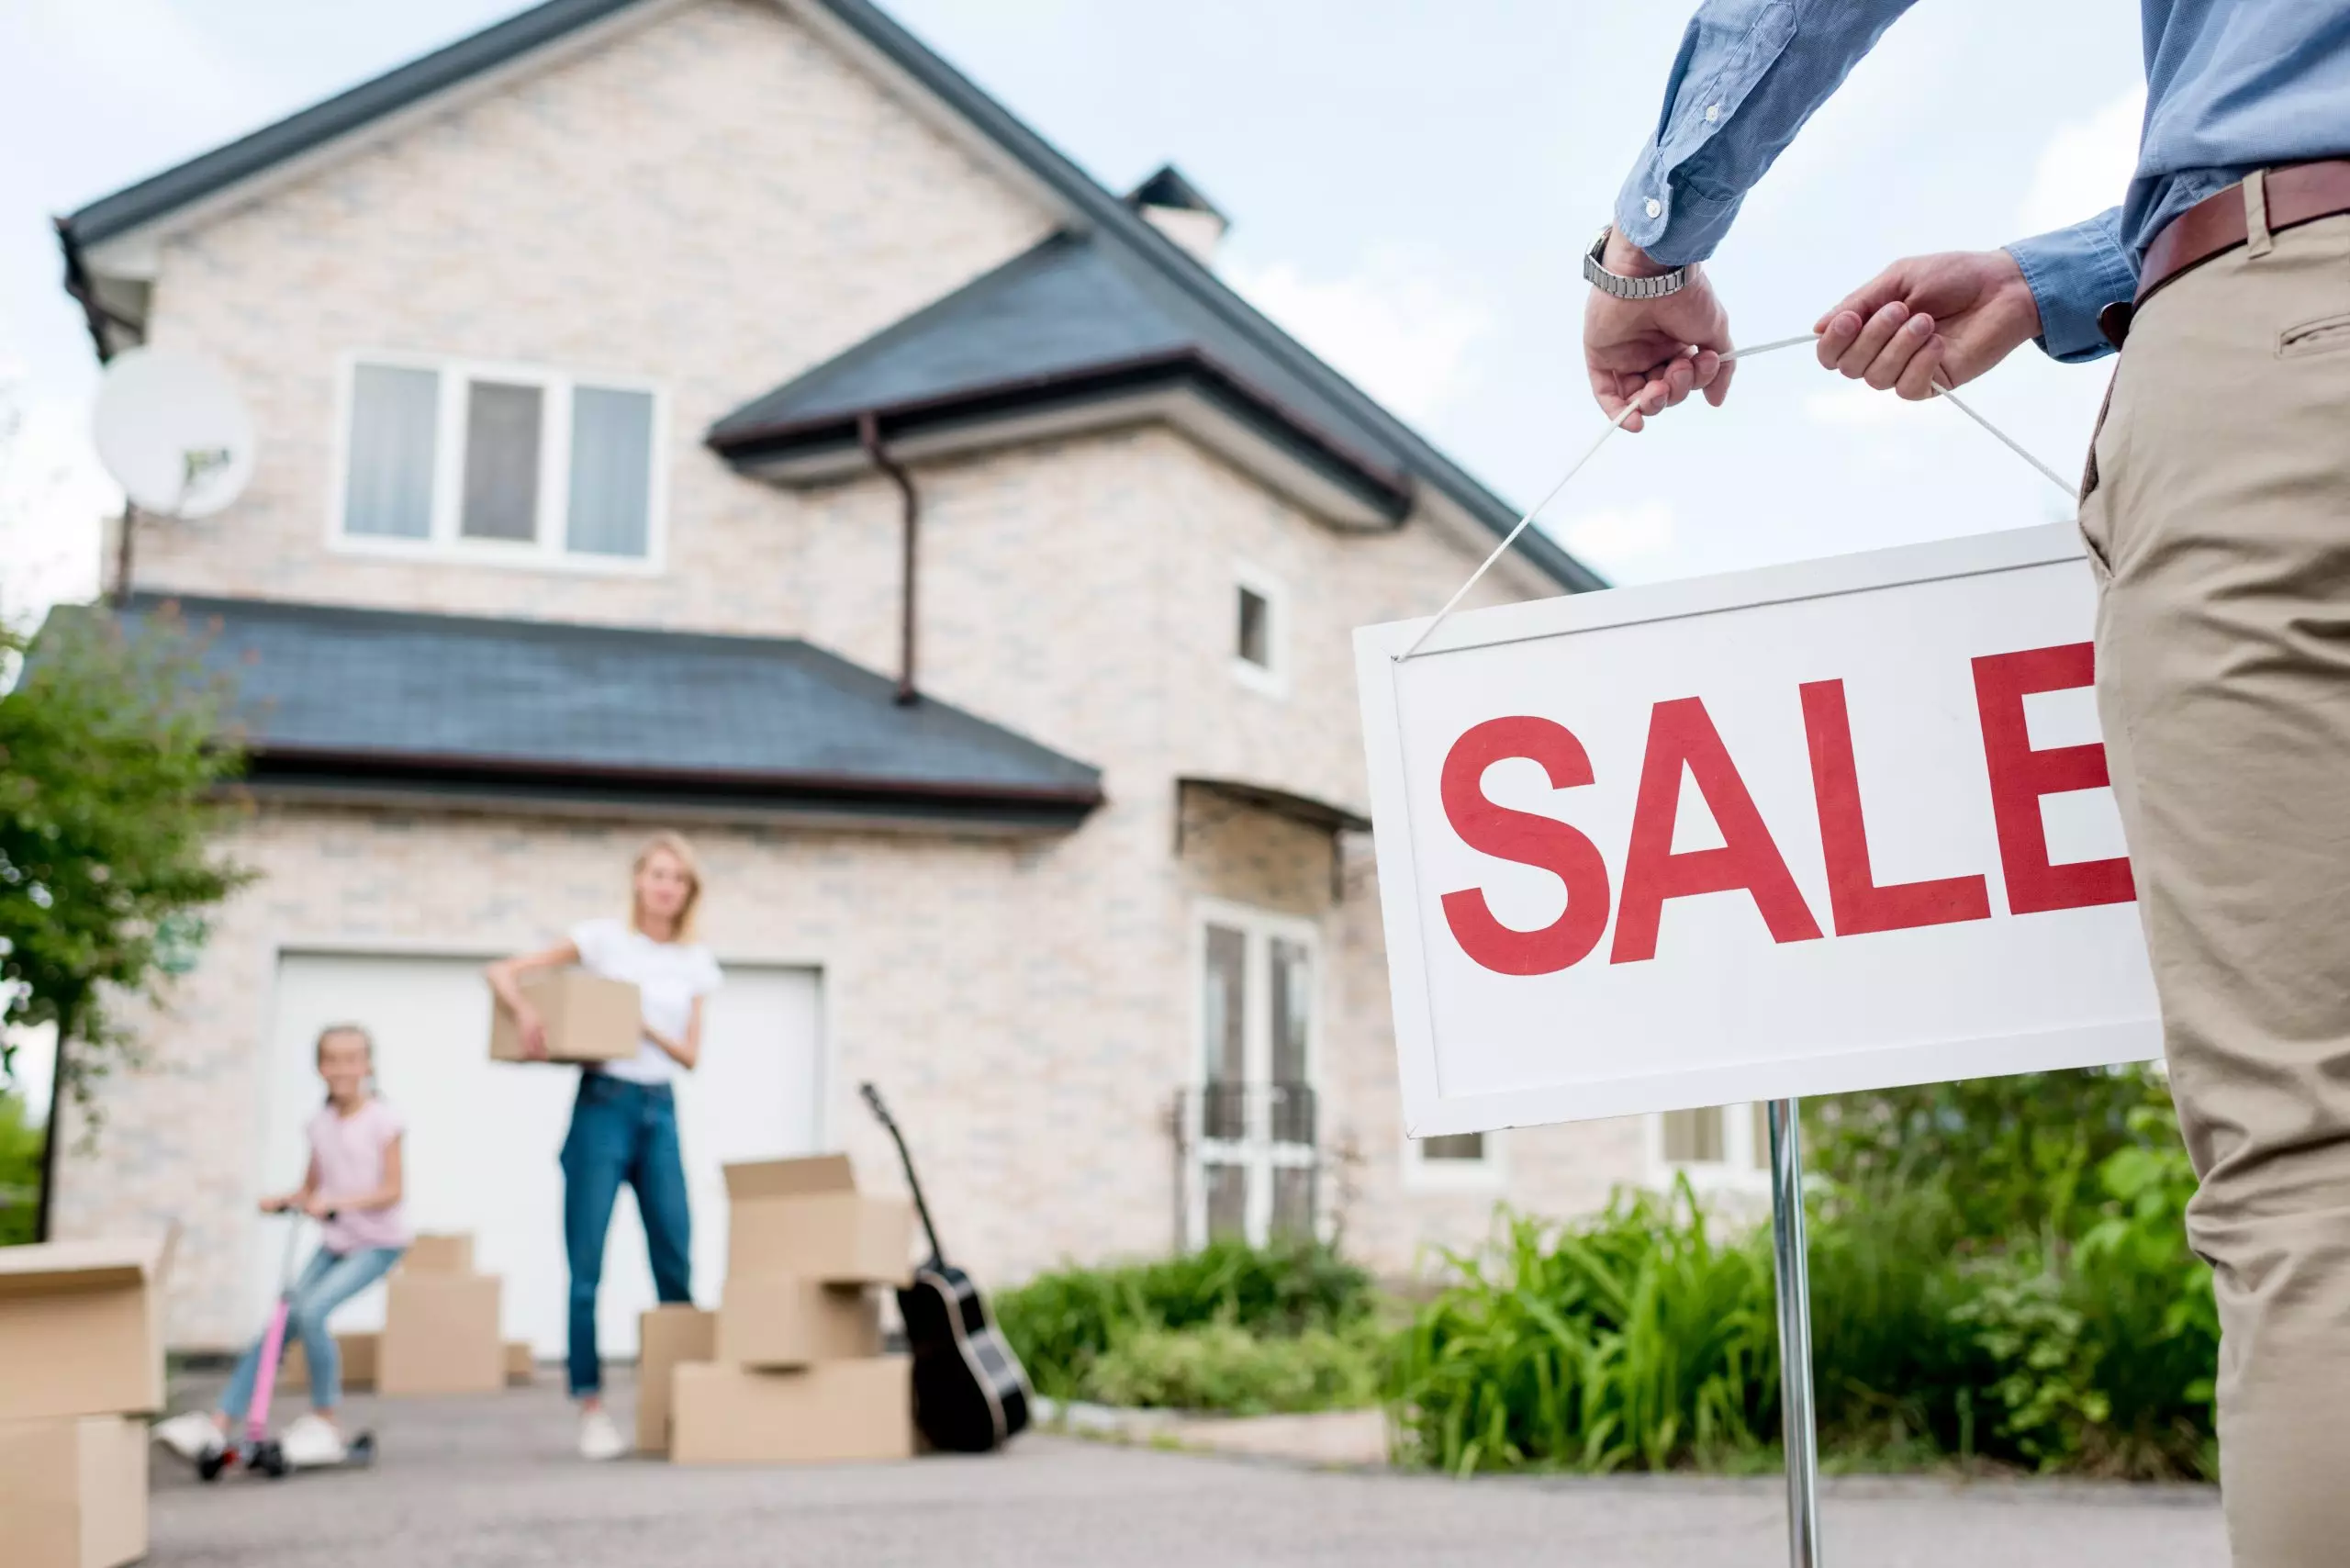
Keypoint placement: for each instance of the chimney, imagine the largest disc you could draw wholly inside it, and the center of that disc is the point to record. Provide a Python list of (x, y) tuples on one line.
[(1174, 207)]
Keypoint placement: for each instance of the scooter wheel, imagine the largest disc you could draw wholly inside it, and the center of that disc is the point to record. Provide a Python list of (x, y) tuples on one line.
[(270, 1460), (209, 1467), (360, 1450)]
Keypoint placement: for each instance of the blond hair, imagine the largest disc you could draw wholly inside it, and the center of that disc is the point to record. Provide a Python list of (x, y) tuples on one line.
[(674, 846)]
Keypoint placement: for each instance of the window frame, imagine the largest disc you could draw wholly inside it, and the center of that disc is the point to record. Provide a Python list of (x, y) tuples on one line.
[(1272, 678), (1487, 1172), (1259, 1154), (550, 552), (1744, 1167)]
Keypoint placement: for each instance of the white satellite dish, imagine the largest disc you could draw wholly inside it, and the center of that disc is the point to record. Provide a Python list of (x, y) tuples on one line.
[(172, 431)]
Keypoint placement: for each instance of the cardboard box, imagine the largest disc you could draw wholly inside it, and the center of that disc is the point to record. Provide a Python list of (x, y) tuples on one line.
[(440, 1335), (829, 1412), (358, 1353), (446, 1254), (588, 1018), (82, 1328), (783, 1321), (522, 1364), (806, 1217), (667, 1337), (73, 1492)]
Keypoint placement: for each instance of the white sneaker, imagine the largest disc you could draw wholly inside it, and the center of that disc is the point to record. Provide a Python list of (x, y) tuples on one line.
[(598, 1439), (192, 1435), (312, 1442)]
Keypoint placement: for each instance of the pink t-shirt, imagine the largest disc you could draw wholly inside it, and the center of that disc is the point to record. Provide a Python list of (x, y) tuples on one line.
[(349, 1151)]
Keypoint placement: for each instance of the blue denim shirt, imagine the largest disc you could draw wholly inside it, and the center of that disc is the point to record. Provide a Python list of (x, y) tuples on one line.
[(2232, 85)]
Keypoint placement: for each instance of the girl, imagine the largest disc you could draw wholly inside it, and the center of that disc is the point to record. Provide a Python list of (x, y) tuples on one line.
[(352, 1187), (624, 1123)]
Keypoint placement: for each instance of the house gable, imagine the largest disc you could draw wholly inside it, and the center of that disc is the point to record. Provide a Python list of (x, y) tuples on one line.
[(941, 95)]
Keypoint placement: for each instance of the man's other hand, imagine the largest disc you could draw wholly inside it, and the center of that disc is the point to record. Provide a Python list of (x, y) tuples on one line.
[(1926, 319), (1654, 352)]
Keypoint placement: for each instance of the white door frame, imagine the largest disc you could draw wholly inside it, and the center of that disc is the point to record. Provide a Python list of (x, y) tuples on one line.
[(1256, 1151)]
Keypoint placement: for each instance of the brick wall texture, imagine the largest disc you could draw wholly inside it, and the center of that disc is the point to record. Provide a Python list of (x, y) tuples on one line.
[(715, 200)]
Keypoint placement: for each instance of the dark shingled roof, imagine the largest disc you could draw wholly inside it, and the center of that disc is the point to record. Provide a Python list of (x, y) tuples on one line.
[(1073, 316), (340, 695), (1243, 338)]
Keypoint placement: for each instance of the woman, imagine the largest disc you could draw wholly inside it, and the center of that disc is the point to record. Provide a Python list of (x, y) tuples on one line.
[(624, 1123)]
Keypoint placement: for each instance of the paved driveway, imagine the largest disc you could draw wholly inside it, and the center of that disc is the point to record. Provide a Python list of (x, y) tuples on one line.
[(491, 1481)]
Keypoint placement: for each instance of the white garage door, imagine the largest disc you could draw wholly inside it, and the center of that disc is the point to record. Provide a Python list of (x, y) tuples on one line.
[(483, 1137)]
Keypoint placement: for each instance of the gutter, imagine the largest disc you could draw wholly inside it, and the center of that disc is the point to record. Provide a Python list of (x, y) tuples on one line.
[(869, 436), (95, 315)]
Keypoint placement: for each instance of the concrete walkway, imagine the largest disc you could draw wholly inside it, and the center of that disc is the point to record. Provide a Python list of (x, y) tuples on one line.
[(471, 1483)]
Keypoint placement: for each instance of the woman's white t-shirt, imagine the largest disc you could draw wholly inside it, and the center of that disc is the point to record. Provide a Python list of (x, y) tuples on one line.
[(668, 976)]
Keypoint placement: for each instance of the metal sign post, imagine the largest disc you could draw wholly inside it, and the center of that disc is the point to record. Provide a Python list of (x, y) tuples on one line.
[(1800, 1430)]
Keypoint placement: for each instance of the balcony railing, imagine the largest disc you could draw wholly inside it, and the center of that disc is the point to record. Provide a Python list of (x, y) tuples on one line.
[(1248, 1161)]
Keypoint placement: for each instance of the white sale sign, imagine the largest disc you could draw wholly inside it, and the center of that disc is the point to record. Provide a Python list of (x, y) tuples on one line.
[(1822, 827)]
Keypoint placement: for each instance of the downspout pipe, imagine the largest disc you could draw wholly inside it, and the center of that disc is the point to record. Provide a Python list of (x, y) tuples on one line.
[(868, 435)]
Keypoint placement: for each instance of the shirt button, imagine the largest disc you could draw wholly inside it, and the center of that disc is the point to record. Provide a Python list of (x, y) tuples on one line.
[(1713, 113), (1655, 207)]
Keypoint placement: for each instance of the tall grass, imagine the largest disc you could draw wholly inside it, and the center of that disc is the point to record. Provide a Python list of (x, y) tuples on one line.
[(1637, 1340), (2042, 1313)]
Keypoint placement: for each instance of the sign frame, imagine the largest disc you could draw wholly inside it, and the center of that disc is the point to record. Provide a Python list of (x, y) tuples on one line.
[(1378, 651)]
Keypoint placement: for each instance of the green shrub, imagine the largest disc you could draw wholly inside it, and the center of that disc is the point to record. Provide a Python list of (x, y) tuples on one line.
[(2025, 1299), (20, 1143), (1224, 1368), (1061, 1323)]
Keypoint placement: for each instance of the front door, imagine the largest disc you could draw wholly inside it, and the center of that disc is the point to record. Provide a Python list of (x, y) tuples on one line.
[(1252, 1117)]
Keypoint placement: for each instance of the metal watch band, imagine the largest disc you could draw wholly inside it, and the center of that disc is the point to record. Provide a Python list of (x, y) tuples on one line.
[(1623, 287)]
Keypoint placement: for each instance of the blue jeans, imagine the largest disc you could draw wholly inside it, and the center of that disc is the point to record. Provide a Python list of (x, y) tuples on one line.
[(327, 1280), (621, 1132)]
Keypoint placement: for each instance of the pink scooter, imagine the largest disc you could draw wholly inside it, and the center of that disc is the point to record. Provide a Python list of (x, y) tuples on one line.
[(257, 1451)]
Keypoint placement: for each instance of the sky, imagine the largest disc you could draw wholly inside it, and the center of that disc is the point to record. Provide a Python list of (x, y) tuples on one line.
[(1411, 183)]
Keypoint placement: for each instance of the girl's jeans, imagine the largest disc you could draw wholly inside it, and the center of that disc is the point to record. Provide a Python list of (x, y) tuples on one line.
[(621, 1132), (327, 1281)]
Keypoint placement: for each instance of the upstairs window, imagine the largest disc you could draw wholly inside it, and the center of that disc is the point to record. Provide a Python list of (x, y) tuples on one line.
[(499, 463), (1260, 632)]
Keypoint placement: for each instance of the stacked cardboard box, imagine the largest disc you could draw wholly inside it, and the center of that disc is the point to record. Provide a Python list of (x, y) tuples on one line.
[(358, 1353), (440, 1323), (789, 1368), (81, 1359)]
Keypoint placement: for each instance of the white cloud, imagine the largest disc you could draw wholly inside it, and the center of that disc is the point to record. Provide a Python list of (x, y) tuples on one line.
[(2086, 167), (1395, 327), (1610, 538)]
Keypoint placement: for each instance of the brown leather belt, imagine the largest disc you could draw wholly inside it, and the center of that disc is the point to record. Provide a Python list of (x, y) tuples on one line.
[(2297, 194)]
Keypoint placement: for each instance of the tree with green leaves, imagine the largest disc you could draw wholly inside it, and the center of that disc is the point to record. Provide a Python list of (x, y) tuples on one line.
[(116, 756)]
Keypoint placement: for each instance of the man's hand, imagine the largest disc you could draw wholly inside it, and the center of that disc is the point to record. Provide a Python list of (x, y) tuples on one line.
[(1654, 352), (1943, 319)]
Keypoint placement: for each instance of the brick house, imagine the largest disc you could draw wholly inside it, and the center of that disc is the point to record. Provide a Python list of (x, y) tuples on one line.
[(719, 413)]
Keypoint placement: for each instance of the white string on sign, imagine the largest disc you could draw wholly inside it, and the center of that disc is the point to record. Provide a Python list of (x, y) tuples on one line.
[(1942, 389)]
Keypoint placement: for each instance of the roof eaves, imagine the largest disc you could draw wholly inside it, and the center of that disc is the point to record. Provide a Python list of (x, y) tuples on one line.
[(1388, 491)]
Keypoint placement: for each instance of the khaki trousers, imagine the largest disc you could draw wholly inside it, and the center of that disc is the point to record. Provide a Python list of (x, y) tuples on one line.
[(2217, 514)]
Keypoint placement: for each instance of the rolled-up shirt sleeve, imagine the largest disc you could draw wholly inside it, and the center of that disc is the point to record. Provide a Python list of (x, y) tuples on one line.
[(1748, 74), (2075, 273)]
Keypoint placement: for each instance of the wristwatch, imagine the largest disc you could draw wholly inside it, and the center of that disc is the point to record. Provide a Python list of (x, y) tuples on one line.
[(1624, 288)]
